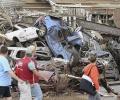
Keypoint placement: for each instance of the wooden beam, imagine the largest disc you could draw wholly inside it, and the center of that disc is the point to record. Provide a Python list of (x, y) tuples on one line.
[(86, 1), (102, 6)]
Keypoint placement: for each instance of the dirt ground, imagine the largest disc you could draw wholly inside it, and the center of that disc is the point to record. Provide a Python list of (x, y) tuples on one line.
[(73, 96), (65, 96)]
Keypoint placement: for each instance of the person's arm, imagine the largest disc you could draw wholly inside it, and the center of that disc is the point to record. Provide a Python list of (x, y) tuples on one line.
[(7, 68), (95, 77), (12, 74), (36, 73), (32, 68)]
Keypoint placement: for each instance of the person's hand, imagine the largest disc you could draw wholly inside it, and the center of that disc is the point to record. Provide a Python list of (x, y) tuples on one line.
[(20, 81)]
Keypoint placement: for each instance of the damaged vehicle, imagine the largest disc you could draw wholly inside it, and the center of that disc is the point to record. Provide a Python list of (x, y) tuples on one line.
[(42, 50), (22, 33), (60, 39), (114, 48), (94, 47), (42, 53)]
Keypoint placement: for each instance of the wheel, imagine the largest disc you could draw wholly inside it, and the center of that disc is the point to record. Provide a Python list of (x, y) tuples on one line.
[(15, 39), (26, 44), (16, 42), (42, 31)]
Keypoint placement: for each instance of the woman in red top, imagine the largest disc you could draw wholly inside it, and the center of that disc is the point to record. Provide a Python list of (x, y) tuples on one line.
[(94, 75)]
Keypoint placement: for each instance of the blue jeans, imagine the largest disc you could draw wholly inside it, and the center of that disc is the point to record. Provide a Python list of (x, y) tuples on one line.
[(36, 91)]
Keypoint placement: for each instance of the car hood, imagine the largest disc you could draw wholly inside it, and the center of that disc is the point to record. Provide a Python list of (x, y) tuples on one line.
[(100, 53)]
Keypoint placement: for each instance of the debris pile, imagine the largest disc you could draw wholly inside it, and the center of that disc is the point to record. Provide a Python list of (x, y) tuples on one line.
[(61, 51)]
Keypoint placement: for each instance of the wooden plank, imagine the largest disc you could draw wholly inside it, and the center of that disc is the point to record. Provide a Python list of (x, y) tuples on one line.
[(37, 5), (41, 5), (86, 1), (114, 83), (35, 1)]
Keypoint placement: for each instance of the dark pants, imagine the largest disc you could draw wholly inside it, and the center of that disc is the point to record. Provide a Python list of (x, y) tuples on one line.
[(103, 82), (5, 91)]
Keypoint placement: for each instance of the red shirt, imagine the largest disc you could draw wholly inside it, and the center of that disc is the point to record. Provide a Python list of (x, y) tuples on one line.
[(23, 72)]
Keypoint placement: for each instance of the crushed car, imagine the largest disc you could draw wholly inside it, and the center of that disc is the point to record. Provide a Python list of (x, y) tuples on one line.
[(19, 52), (114, 48), (93, 46), (60, 39), (22, 33)]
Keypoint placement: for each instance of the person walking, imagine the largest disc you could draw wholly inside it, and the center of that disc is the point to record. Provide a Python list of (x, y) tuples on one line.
[(5, 75), (103, 81), (92, 71), (26, 69)]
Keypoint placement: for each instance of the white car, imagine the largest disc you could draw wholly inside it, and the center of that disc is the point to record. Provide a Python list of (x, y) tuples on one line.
[(15, 53), (22, 33), (19, 52)]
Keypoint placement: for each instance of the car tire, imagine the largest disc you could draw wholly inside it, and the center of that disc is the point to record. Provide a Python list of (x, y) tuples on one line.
[(15, 39), (26, 44), (41, 33), (16, 42)]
